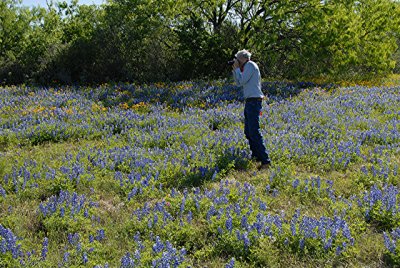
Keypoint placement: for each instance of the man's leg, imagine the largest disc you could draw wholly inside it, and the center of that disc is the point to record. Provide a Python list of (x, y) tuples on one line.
[(255, 137), (247, 132)]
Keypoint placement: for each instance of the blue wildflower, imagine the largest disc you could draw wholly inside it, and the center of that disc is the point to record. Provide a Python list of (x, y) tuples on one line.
[(231, 263), (158, 246), (228, 224)]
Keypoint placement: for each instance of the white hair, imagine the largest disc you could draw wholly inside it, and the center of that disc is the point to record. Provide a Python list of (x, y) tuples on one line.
[(243, 54)]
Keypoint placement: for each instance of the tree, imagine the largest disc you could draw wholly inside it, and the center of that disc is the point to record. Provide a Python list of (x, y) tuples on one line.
[(136, 38), (14, 26)]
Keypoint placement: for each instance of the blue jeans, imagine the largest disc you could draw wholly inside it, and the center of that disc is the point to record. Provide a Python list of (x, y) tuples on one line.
[(252, 111)]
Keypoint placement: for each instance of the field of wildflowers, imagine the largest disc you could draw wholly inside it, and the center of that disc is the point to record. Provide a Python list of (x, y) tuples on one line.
[(160, 175)]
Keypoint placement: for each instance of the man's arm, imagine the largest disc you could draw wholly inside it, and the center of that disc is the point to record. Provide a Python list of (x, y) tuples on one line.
[(234, 76), (243, 78)]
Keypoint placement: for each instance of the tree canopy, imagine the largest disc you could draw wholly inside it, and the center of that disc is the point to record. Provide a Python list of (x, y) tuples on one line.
[(157, 40)]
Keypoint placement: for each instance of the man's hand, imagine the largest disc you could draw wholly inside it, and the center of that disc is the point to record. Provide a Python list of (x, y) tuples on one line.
[(235, 65)]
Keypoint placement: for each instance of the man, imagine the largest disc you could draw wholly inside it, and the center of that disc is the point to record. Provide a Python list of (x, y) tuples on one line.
[(247, 75)]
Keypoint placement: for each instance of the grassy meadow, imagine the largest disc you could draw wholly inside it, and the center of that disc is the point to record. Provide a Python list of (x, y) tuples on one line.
[(160, 175)]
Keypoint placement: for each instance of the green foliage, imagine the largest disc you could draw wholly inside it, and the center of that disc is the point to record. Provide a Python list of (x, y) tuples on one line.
[(14, 26), (151, 40), (383, 219), (342, 39)]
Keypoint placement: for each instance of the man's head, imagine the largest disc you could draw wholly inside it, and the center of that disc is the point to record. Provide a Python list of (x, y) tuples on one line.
[(243, 56)]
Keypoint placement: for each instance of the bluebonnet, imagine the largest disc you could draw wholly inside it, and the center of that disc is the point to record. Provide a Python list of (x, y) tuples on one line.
[(231, 264), (170, 256), (246, 240), (388, 243), (286, 242), (182, 207), (9, 242), (302, 244), (293, 222), (344, 245), (328, 244), (364, 170), (66, 257), (238, 235), (73, 202), (190, 217), (308, 226), (211, 212), (391, 240), (79, 247), (228, 224), (173, 192), (158, 246), (2, 192), (62, 212), (267, 188), (325, 229), (268, 231), (84, 257), (127, 261), (243, 222), (132, 193), (220, 231), (263, 206), (318, 182), (137, 256), (275, 192), (155, 219), (220, 212), (259, 224), (45, 248), (73, 239), (237, 209), (338, 250), (387, 199), (296, 183), (136, 237), (100, 234)]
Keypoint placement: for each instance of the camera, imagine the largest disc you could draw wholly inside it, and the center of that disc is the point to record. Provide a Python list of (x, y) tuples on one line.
[(231, 62)]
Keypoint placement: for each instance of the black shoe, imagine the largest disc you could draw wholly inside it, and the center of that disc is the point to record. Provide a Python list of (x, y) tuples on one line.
[(254, 158), (264, 166)]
